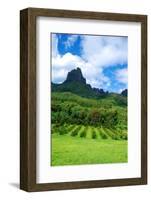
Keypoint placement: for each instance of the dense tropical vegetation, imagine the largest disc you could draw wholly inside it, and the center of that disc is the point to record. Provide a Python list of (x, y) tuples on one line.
[(106, 112)]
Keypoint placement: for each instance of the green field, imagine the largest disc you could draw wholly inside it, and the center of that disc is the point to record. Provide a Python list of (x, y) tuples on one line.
[(80, 144)]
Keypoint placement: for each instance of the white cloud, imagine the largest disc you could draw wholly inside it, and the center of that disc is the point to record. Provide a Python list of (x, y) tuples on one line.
[(63, 64), (70, 41), (122, 75), (97, 53), (104, 51)]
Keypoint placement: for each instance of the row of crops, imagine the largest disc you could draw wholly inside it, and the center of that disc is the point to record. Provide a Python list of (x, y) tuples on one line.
[(89, 132)]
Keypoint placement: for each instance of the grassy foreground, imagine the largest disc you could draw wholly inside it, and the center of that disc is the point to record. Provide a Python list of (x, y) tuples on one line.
[(67, 150)]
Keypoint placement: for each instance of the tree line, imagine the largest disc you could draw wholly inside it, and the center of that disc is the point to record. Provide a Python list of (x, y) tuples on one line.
[(68, 112)]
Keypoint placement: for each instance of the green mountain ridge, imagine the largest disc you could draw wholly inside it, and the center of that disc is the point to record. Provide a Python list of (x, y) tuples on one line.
[(79, 88), (76, 84)]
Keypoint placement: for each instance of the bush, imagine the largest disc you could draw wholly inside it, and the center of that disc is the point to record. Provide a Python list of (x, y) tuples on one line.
[(94, 117), (103, 134), (83, 133), (54, 128), (62, 130), (112, 134), (75, 131), (115, 137), (124, 136), (93, 134)]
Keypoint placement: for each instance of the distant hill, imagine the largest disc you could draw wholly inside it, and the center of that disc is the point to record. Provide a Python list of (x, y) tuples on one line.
[(76, 84)]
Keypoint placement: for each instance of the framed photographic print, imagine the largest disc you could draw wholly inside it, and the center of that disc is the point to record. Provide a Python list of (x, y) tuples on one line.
[(83, 93)]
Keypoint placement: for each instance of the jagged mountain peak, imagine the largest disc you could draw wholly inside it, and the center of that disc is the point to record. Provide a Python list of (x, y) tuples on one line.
[(75, 75), (124, 92)]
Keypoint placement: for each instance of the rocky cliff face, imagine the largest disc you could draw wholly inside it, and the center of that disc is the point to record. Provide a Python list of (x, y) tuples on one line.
[(124, 93), (75, 75)]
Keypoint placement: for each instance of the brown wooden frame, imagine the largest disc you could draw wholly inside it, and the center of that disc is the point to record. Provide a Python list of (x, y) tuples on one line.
[(28, 98)]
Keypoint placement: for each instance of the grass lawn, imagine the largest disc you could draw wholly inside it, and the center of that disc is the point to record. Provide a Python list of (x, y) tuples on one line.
[(68, 150)]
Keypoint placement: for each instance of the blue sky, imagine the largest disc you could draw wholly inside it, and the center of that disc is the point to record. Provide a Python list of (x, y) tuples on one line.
[(102, 59)]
